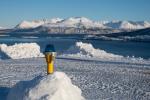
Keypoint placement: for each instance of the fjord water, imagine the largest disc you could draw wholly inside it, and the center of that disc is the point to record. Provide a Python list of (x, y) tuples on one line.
[(125, 48)]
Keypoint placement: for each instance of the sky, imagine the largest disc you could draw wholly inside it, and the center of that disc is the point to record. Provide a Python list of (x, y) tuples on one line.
[(13, 12)]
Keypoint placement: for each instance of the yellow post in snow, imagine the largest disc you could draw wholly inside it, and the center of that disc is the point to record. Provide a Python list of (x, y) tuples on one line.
[(50, 63), (50, 56)]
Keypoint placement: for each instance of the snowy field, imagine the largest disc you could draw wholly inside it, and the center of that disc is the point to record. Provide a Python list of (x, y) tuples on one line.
[(99, 75)]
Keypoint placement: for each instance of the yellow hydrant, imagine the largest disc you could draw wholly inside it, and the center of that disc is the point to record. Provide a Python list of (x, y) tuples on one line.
[(50, 57)]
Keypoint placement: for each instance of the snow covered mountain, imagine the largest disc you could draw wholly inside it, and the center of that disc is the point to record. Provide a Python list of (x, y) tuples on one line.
[(125, 25), (27, 24), (36, 23), (79, 22), (76, 22), (54, 20), (144, 24), (1, 28), (82, 22)]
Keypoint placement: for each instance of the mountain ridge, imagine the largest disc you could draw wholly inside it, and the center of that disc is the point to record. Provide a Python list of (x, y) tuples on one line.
[(80, 22)]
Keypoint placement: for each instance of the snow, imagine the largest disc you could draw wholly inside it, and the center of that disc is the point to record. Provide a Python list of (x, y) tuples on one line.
[(21, 50), (27, 24), (32, 50), (125, 25), (102, 38), (3, 35), (146, 24), (76, 22), (98, 79), (55, 20), (1, 27), (79, 22), (81, 49), (37, 23), (119, 38), (30, 37), (57, 86), (138, 37), (100, 75)]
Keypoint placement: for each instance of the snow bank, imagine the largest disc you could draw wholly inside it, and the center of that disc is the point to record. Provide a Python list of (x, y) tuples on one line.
[(21, 50), (52, 87), (87, 50)]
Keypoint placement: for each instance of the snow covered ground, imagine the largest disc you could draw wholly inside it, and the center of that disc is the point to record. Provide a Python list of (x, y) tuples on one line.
[(98, 77)]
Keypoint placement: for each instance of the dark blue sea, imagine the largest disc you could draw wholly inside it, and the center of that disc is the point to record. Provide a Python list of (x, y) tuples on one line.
[(62, 43)]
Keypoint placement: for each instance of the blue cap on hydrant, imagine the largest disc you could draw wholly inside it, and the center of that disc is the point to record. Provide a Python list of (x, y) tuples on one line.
[(49, 48)]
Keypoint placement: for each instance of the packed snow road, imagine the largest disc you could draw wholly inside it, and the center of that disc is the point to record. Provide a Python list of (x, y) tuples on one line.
[(98, 79)]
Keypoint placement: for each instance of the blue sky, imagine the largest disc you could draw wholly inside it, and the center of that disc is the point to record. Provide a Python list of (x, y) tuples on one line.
[(14, 11)]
